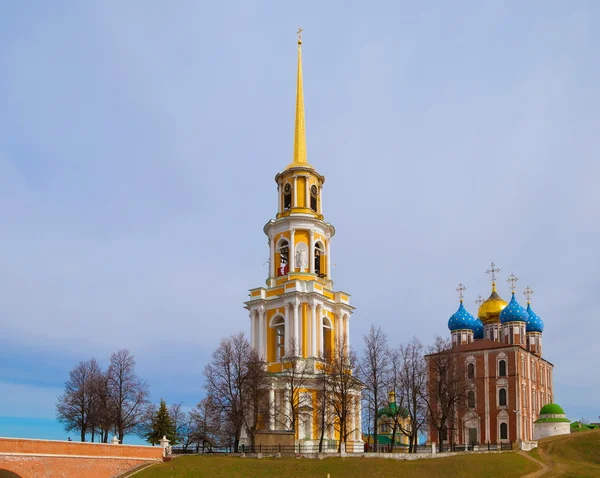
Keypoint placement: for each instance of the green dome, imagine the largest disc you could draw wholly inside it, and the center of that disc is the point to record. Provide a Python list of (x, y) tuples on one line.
[(552, 409)]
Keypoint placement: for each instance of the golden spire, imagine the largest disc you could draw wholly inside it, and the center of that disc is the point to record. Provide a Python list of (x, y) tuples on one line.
[(300, 130)]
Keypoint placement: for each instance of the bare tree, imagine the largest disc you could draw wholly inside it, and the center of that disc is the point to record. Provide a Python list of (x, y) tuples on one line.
[(233, 383), (446, 388), (75, 408), (103, 418), (179, 419), (413, 380), (344, 388), (294, 378), (373, 371), (324, 411), (255, 404), (128, 394)]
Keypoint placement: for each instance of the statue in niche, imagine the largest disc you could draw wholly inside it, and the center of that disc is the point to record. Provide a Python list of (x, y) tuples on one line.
[(301, 256)]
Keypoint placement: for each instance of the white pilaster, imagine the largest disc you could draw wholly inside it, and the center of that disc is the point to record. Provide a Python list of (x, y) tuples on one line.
[(297, 338), (347, 329), (328, 258), (253, 331), (292, 254), (272, 256), (313, 317), (295, 191), (287, 330), (311, 252), (306, 193), (321, 336), (272, 409), (261, 332), (280, 198)]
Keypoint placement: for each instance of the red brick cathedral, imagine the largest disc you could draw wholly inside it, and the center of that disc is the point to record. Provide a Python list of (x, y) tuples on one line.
[(508, 380)]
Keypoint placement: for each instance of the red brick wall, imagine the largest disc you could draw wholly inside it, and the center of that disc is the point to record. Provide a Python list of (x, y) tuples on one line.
[(41, 458)]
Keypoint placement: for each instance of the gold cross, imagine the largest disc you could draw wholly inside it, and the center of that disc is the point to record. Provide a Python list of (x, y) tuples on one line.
[(512, 280), (479, 300), (493, 271), (299, 32), (528, 292), (460, 289)]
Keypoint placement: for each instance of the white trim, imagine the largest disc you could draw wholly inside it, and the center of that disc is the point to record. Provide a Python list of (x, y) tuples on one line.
[(87, 457)]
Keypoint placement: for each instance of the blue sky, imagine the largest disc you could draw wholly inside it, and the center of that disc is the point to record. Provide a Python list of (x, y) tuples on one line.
[(138, 146)]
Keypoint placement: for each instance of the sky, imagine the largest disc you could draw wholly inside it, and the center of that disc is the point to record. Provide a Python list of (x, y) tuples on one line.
[(139, 142)]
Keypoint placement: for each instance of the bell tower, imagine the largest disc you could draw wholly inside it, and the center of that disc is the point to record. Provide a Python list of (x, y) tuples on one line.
[(298, 309)]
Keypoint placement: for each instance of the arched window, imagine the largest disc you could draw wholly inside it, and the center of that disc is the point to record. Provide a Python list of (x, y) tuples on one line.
[(502, 397), (287, 197), (318, 254), (503, 431), (471, 399), (471, 370), (314, 192), (327, 330), (279, 325), (502, 368), (284, 257)]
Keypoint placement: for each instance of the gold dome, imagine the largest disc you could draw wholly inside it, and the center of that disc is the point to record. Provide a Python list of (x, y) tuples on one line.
[(489, 311)]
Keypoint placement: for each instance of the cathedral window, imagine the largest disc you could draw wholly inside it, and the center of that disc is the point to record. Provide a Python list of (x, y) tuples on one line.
[(502, 368), (503, 431), (287, 197), (314, 192), (327, 329), (318, 257), (279, 326), (502, 397), (471, 370), (471, 399), (284, 257)]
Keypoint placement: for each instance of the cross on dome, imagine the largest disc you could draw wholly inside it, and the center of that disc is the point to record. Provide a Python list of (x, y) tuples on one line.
[(512, 280), (480, 300), (528, 292), (299, 32), (460, 289), (493, 269)]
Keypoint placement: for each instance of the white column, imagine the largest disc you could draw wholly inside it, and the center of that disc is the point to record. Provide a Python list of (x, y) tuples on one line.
[(320, 200), (311, 252), (272, 256), (286, 409), (261, 333), (297, 338), (359, 427), (321, 335), (295, 191), (253, 331), (347, 330), (313, 316), (328, 259), (271, 409), (306, 192), (287, 330), (279, 198), (292, 254)]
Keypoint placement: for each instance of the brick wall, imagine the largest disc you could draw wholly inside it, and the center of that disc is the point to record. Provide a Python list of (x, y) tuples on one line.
[(41, 458)]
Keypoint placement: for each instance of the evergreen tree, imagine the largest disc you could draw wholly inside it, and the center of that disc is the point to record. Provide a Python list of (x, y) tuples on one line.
[(162, 425)]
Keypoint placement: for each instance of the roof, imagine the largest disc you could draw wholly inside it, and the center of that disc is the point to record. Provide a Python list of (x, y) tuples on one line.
[(552, 409), (553, 420)]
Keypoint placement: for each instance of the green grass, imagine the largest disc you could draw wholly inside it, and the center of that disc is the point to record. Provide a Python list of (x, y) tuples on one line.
[(497, 465), (577, 454)]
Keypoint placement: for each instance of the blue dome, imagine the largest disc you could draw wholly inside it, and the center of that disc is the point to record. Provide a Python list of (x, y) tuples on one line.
[(461, 319), (478, 330), (513, 312), (534, 324)]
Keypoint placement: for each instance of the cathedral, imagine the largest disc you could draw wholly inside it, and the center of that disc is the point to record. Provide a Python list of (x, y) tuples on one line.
[(298, 315), (507, 379)]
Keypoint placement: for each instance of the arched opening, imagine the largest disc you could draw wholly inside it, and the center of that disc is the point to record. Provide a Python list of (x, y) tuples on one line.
[(8, 474), (471, 370), (287, 197), (502, 397), (471, 399), (278, 324), (283, 249), (327, 335), (503, 431), (314, 192), (502, 368), (317, 255)]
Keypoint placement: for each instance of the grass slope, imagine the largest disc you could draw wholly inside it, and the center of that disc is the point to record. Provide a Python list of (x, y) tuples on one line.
[(497, 465), (577, 454)]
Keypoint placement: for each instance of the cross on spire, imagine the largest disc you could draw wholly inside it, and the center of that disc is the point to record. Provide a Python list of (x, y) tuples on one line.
[(460, 289), (493, 269), (479, 300), (528, 292), (512, 280), (299, 32)]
